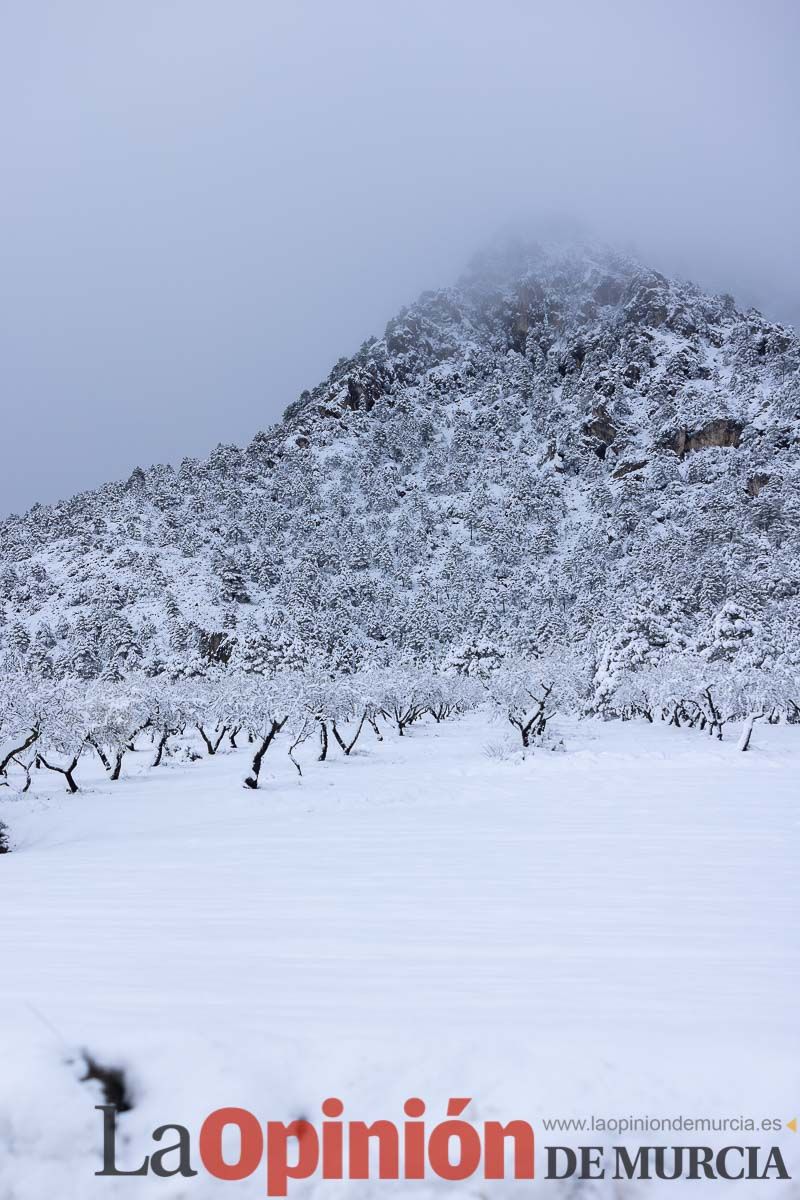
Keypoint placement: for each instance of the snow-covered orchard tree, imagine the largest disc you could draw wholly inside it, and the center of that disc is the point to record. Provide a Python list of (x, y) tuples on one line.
[(638, 693), (62, 723), (45, 717), (325, 701), (113, 715), (209, 703), (266, 706), (528, 694), (169, 710), (759, 692), (403, 697), (786, 677), (447, 695), (744, 692), (20, 722), (359, 698), (675, 684)]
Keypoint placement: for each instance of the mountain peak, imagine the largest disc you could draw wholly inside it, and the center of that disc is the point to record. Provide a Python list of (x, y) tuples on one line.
[(535, 454)]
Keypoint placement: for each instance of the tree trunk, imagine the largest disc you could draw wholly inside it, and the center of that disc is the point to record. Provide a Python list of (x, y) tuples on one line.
[(252, 779), (29, 740), (132, 743), (747, 730), (348, 746), (98, 749), (323, 742), (67, 772), (301, 737), (117, 768), (211, 746), (26, 767), (375, 728), (165, 736), (715, 717), (206, 739), (340, 740)]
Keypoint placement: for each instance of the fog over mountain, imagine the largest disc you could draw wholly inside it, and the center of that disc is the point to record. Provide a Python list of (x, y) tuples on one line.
[(203, 207)]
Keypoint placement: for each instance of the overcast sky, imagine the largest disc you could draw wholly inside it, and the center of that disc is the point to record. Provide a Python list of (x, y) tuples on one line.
[(204, 203)]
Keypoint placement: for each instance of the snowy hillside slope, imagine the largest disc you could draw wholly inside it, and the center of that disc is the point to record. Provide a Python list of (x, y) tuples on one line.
[(562, 444), (607, 931)]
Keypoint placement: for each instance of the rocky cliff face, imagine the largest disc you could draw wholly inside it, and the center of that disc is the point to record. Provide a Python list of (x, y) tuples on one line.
[(560, 442)]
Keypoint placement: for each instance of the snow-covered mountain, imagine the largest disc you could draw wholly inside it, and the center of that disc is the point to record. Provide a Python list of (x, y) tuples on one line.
[(563, 446)]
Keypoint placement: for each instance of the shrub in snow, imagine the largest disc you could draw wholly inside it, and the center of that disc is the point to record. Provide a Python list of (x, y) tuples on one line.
[(112, 1080), (187, 754), (501, 750)]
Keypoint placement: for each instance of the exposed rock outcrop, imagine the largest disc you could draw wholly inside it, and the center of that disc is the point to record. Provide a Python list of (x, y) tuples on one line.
[(722, 432)]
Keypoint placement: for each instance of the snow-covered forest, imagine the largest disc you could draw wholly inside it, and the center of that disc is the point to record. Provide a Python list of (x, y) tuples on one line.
[(565, 473)]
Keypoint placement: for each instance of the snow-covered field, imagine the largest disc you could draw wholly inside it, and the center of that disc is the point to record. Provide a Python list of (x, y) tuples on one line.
[(610, 930)]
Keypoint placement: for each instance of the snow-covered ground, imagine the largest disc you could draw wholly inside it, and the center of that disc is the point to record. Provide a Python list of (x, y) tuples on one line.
[(610, 930)]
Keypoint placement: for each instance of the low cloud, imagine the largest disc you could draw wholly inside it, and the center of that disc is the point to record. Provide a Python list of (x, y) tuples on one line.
[(203, 207)]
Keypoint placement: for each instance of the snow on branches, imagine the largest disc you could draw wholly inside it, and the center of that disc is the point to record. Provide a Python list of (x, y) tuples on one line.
[(529, 694), (725, 676)]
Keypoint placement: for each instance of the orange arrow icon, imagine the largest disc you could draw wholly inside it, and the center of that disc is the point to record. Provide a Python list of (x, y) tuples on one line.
[(792, 1124)]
